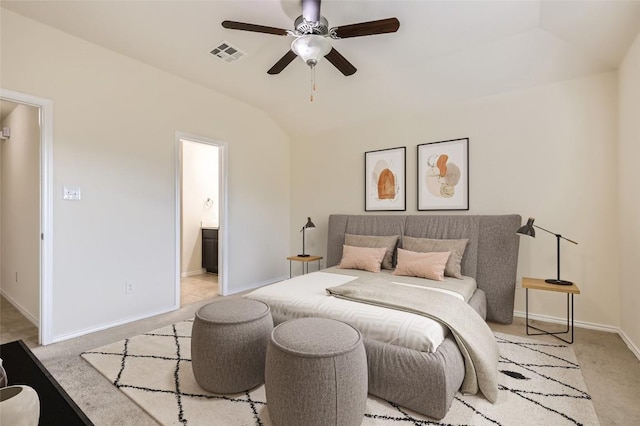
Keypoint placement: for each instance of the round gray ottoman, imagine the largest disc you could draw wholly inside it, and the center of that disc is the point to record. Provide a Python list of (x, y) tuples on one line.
[(228, 345), (316, 374)]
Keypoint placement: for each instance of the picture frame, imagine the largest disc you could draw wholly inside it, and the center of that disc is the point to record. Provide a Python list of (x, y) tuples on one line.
[(443, 175), (385, 179)]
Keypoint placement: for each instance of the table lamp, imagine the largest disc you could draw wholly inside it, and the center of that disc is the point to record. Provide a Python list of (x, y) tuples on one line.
[(529, 231), (308, 225)]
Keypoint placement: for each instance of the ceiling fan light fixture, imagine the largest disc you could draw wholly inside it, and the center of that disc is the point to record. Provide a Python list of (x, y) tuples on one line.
[(311, 48)]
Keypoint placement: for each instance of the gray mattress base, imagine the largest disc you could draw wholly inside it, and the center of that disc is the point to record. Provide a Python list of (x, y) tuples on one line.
[(425, 382)]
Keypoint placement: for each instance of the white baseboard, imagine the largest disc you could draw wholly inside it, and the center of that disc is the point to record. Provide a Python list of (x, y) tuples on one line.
[(190, 273), (630, 344), (258, 284), (101, 327), (583, 324), (33, 320), (557, 320), (60, 338)]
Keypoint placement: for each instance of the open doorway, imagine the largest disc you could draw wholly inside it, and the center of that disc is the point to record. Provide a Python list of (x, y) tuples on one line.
[(201, 216), (25, 215)]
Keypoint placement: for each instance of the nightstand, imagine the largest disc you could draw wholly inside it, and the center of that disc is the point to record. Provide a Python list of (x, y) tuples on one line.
[(540, 284), (305, 262)]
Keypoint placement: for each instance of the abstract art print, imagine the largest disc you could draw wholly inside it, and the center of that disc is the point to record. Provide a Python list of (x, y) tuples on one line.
[(443, 175), (384, 177)]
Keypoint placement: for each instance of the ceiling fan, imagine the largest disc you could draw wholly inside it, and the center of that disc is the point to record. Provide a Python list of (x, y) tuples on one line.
[(312, 37)]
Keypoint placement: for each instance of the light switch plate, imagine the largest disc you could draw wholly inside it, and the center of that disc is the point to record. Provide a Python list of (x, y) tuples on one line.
[(73, 194)]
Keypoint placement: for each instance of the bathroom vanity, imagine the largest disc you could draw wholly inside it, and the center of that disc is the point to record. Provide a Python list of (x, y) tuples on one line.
[(210, 249)]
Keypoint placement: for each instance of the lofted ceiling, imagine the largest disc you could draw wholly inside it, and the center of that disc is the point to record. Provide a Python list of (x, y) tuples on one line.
[(444, 51)]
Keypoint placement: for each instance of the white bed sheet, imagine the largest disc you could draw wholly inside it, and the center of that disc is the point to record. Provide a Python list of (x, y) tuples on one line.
[(306, 295)]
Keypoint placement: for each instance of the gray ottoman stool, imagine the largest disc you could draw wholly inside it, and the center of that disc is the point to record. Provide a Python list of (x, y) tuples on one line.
[(228, 345), (316, 374)]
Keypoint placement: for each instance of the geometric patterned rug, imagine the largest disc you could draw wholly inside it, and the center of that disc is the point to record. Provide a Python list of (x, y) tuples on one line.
[(539, 384)]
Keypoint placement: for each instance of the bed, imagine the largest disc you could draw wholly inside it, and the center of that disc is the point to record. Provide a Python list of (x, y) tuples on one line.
[(419, 373)]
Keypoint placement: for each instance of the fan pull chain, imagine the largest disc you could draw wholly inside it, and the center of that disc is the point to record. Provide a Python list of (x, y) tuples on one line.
[(313, 82)]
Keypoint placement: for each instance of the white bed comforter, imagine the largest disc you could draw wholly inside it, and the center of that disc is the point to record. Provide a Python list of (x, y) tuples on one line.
[(306, 295)]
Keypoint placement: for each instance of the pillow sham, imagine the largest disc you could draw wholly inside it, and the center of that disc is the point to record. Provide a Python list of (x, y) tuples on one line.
[(372, 241), (426, 245), (424, 265), (365, 258)]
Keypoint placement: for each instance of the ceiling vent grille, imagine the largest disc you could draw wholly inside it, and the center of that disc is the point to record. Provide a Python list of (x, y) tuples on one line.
[(226, 52)]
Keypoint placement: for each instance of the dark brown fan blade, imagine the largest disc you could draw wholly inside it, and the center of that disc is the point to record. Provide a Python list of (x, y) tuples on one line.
[(311, 10), (382, 26), (233, 25), (282, 63), (340, 62)]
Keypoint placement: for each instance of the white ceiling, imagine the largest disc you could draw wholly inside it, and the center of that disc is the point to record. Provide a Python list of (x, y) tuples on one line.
[(444, 51)]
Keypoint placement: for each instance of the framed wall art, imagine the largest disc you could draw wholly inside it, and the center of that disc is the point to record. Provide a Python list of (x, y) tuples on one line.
[(443, 175), (385, 176)]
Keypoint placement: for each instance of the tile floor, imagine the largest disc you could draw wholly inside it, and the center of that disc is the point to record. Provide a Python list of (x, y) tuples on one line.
[(198, 287), (14, 326)]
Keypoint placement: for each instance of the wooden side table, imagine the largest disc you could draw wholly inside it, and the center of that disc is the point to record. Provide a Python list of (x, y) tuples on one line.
[(540, 284), (305, 262)]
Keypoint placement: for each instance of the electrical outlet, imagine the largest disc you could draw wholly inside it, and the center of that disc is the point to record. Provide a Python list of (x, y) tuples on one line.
[(73, 194), (128, 287)]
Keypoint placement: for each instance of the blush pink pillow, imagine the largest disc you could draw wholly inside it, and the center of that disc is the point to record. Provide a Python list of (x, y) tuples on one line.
[(365, 258), (424, 265)]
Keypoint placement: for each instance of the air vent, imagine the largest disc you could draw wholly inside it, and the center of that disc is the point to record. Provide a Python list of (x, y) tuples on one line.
[(226, 52)]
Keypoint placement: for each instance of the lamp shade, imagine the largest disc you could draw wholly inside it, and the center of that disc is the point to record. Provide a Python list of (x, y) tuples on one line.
[(311, 48), (309, 224), (527, 229)]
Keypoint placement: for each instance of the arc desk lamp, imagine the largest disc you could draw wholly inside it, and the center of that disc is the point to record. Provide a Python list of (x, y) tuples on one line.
[(529, 230), (309, 225)]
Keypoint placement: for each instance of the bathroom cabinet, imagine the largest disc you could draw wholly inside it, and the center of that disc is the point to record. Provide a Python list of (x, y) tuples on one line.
[(210, 249)]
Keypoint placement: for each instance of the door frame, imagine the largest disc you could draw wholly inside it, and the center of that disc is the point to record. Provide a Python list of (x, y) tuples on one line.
[(223, 160), (45, 107)]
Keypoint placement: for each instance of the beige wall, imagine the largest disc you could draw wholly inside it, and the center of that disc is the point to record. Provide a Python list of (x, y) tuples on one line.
[(199, 182), (115, 123), (20, 203), (629, 172), (549, 152)]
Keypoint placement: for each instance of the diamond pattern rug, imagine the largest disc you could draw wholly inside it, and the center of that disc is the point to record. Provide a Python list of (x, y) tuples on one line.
[(540, 384)]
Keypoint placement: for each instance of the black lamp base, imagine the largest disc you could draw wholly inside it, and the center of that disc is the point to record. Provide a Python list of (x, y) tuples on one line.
[(557, 282), (304, 255)]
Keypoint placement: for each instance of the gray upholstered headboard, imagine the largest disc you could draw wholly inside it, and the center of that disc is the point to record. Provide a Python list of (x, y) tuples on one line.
[(491, 256)]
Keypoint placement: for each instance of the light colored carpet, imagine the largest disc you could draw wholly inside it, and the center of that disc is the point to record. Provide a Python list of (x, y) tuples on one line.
[(540, 383)]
